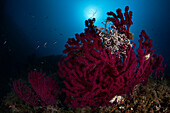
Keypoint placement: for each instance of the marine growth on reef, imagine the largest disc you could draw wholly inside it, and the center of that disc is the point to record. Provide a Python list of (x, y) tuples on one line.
[(101, 63), (99, 67)]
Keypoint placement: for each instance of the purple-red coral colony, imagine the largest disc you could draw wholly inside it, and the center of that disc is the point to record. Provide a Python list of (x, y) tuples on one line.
[(44, 91), (101, 62), (100, 65)]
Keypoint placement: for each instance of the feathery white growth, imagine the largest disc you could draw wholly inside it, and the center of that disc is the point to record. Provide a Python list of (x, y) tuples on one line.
[(117, 98), (147, 56), (113, 40)]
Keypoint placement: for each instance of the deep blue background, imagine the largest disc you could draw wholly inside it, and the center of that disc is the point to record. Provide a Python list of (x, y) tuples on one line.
[(26, 24)]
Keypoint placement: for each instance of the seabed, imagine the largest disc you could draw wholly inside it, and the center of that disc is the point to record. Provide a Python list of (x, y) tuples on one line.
[(151, 98)]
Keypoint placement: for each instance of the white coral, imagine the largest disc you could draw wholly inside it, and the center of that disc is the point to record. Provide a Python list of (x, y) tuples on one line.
[(118, 99), (114, 40)]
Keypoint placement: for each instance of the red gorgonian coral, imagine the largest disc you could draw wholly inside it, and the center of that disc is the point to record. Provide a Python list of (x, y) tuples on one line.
[(44, 93), (102, 64)]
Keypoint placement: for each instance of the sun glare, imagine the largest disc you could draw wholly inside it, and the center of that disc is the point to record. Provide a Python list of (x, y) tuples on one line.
[(91, 12)]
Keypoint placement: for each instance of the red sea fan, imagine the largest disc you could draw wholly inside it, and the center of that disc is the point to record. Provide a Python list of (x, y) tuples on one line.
[(121, 23), (45, 87), (44, 93), (25, 93), (93, 75)]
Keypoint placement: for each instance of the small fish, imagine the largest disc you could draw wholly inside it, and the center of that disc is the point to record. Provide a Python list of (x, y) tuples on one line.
[(37, 47), (5, 42), (54, 42), (45, 45), (101, 28)]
